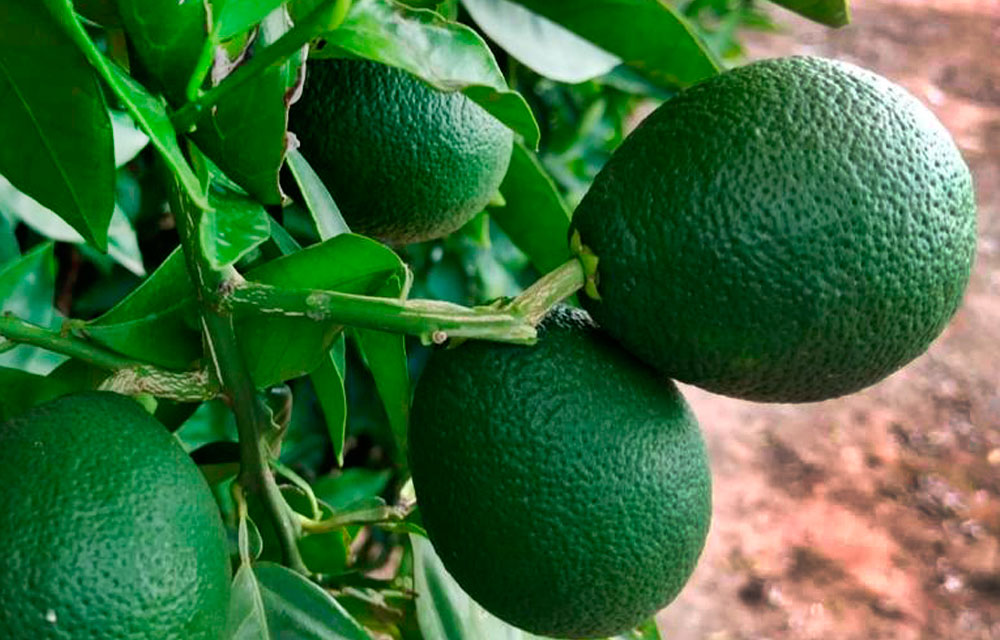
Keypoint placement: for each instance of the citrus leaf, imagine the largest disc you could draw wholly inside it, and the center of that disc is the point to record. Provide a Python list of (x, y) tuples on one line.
[(447, 55), (236, 16), (328, 381), (149, 113), (385, 356), (235, 225), (19, 389), (832, 13), (324, 211), (351, 486), (534, 216), (168, 37), (155, 322), (540, 44), (245, 133), (9, 250), (278, 349), (56, 143), (27, 289), (648, 35), (129, 139), (123, 246), (271, 602)]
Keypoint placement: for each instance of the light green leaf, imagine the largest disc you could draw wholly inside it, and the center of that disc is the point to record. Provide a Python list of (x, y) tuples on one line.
[(447, 55), (270, 602), (534, 216), (324, 211), (129, 139), (832, 13), (236, 16), (9, 250), (149, 113), (27, 290), (56, 141), (540, 44), (123, 246), (648, 35), (235, 225)]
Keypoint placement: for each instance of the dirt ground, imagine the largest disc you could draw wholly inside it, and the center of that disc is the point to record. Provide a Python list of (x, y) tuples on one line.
[(876, 515)]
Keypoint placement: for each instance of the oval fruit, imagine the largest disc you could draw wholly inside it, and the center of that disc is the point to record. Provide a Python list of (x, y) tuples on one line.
[(565, 486), (109, 529), (792, 230)]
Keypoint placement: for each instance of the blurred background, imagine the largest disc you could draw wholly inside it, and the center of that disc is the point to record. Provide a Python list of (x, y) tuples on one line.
[(876, 515)]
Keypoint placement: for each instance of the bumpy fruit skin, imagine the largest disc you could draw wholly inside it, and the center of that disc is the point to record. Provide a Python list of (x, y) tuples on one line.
[(109, 530), (565, 486), (404, 161), (792, 230)]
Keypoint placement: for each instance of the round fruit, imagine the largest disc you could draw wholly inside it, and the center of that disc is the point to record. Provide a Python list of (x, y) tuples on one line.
[(109, 530), (792, 230), (404, 161), (565, 486)]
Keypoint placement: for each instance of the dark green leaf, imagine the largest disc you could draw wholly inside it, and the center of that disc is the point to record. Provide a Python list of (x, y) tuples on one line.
[(56, 142), (648, 35), (149, 113), (278, 349), (245, 133), (324, 211), (212, 422), (27, 290), (103, 12), (328, 381), (156, 322), (19, 389), (540, 44), (832, 13), (235, 16), (534, 216), (448, 55), (168, 37), (234, 226), (272, 602)]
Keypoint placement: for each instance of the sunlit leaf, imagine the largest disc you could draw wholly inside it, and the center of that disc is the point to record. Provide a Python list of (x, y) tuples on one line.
[(235, 225), (27, 290)]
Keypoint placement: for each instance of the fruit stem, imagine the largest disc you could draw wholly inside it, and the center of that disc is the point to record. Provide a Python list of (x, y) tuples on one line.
[(369, 515), (431, 320), (253, 419), (130, 377), (326, 17), (549, 290)]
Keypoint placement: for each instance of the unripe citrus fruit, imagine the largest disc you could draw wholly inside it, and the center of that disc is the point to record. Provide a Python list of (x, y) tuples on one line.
[(565, 486), (109, 530), (792, 230), (404, 161)]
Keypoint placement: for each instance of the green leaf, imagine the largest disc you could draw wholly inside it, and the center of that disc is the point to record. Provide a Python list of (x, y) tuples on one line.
[(123, 246), (648, 35), (56, 141), (832, 13), (149, 113), (272, 602), (540, 44), (155, 323), (168, 37), (245, 133), (27, 289), (535, 217), (236, 16), (19, 389), (129, 138), (278, 349), (447, 55), (385, 356), (9, 250), (328, 381), (324, 211), (351, 486), (235, 225)]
